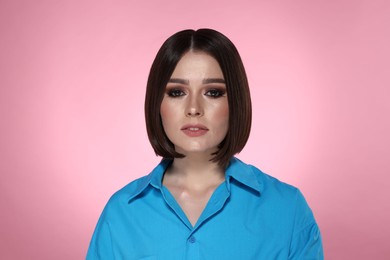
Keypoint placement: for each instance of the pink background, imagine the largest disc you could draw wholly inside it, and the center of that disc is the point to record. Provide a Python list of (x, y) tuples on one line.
[(72, 85)]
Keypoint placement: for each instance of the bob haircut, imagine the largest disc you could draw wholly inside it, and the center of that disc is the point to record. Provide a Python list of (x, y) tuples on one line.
[(223, 50)]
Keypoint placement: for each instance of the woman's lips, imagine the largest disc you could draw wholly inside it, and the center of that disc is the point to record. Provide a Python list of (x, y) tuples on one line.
[(194, 130)]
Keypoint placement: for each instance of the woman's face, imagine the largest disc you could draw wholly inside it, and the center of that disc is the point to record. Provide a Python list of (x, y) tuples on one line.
[(194, 110)]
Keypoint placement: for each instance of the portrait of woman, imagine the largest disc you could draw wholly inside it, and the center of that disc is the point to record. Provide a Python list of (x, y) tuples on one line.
[(127, 132), (200, 201)]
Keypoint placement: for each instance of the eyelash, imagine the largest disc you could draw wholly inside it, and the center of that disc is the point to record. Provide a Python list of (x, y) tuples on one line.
[(212, 93), (215, 93), (175, 92)]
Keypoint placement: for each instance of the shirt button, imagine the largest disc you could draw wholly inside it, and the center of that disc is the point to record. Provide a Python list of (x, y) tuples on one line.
[(192, 239)]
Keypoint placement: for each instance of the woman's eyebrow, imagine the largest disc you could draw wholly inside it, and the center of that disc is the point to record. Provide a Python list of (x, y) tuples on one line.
[(204, 81), (180, 81), (213, 80)]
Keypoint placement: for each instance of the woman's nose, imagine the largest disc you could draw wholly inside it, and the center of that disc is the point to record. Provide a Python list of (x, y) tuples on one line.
[(194, 107)]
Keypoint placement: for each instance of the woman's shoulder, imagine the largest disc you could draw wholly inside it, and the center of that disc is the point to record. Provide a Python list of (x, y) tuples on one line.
[(130, 190), (137, 186), (271, 181), (265, 181), (279, 192)]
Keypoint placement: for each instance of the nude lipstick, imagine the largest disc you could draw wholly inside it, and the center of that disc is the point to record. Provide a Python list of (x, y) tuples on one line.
[(194, 130)]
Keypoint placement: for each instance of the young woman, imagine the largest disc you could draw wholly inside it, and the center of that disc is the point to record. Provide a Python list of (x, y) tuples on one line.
[(201, 202)]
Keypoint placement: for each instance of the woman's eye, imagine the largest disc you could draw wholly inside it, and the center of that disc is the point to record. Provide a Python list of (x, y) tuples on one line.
[(215, 93), (175, 93)]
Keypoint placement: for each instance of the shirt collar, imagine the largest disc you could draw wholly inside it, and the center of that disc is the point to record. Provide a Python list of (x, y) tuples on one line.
[(236, 169), (244, 174), (156, 175), (154, 179)]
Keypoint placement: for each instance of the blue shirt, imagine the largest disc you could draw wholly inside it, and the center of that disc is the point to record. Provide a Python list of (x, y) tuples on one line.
[(249, 216)]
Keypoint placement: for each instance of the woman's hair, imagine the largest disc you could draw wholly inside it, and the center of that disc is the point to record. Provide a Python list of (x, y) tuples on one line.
[(223, 50)]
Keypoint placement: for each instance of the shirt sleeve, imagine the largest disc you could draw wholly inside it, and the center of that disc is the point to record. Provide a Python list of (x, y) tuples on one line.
[(101, 243), (306, 242)]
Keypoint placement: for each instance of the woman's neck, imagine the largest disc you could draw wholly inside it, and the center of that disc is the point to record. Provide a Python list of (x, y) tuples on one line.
[(195, 171)]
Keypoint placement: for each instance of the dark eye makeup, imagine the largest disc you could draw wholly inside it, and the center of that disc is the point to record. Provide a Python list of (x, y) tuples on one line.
[(211, 92), (175, 92), (215, 92)]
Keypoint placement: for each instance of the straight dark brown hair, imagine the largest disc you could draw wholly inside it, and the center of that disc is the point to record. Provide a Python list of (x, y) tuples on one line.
[(223, 50)]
